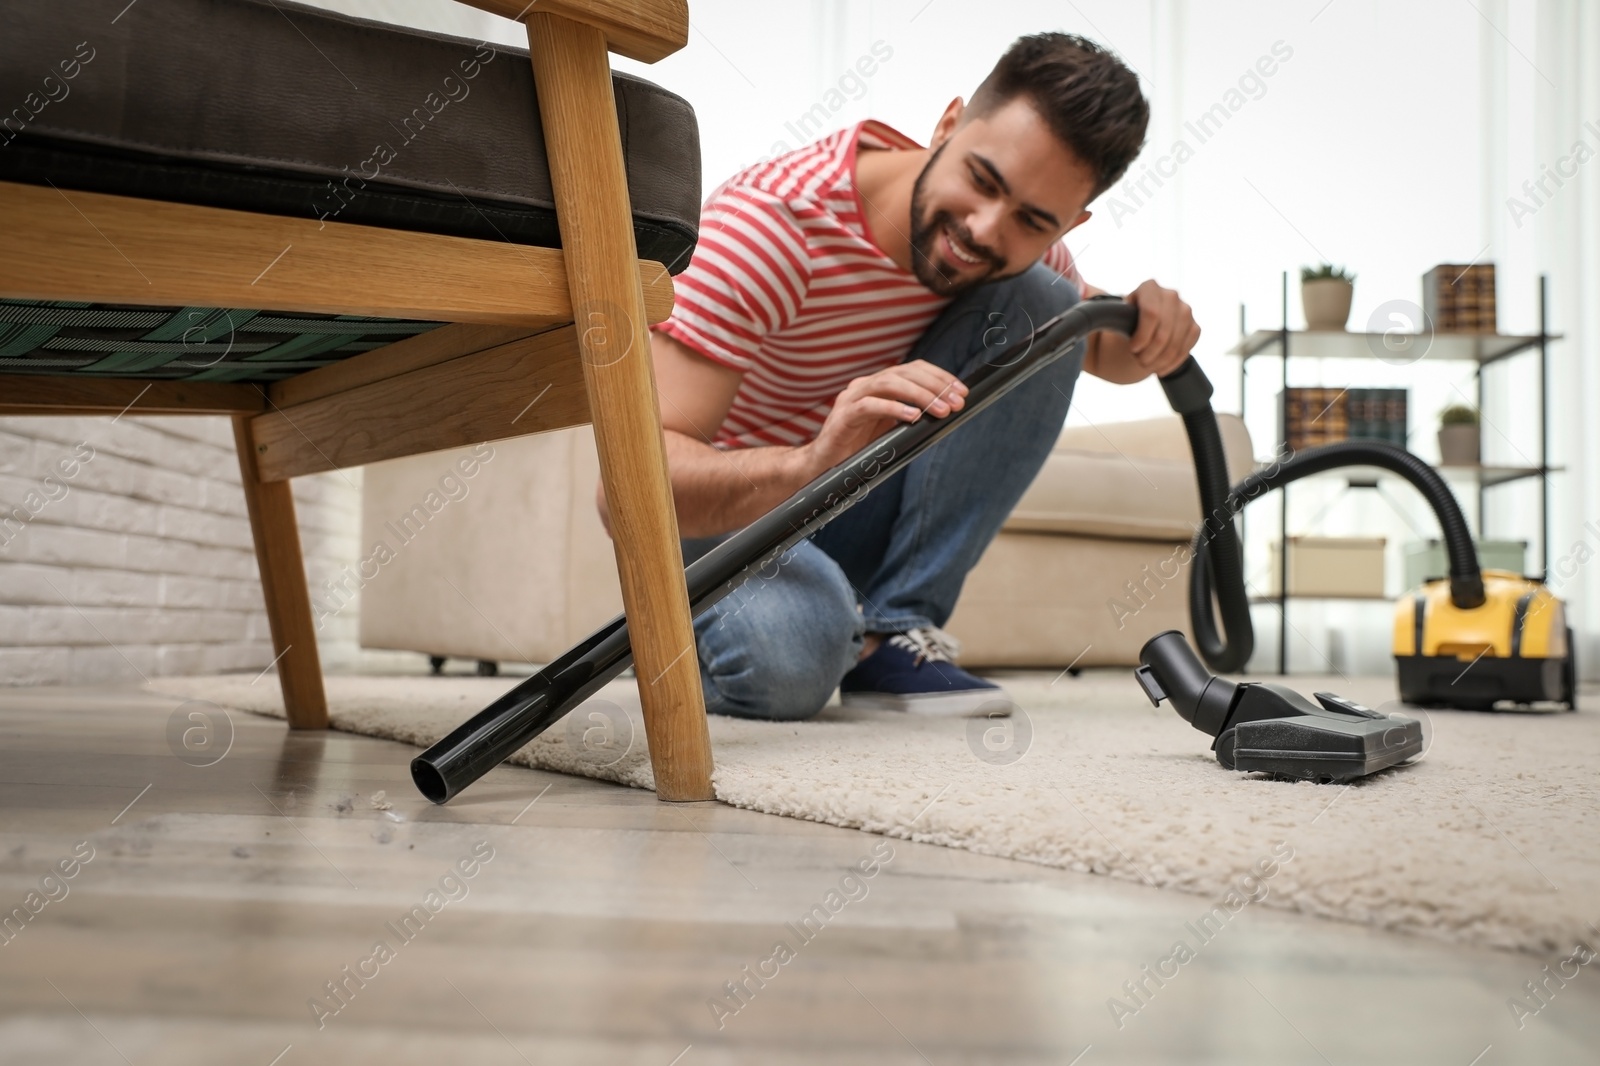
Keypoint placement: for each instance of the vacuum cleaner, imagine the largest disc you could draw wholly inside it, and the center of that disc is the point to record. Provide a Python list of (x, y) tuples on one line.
[(532, 706), (1468, 640)]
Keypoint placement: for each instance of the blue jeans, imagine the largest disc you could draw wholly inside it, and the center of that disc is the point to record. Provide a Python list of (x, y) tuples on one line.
[(777, 647)]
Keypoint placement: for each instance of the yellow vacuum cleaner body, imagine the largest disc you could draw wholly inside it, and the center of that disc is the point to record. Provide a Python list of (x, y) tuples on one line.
[(1515, 646)]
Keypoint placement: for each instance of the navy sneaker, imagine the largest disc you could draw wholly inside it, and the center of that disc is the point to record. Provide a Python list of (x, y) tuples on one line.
[(914, 672)]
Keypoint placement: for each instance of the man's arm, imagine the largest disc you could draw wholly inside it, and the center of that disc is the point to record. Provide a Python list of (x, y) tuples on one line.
[(1167, 333), (717, 490), (712, 488)]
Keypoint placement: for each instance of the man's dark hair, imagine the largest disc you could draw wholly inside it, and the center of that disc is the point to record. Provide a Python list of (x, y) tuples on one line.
[(1088, 97)]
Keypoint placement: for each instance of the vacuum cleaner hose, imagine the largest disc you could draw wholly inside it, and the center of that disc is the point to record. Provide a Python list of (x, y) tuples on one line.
[(1217, 556), (1216, 566)]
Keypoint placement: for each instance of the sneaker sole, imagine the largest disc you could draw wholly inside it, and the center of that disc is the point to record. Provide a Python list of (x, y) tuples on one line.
[(976, 703)]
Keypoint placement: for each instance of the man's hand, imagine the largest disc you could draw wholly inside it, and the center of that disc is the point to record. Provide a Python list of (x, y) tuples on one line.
[(870, 406), (1167, 333)]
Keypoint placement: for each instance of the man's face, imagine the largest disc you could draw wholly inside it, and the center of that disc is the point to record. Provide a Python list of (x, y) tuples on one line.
[(998, 190)]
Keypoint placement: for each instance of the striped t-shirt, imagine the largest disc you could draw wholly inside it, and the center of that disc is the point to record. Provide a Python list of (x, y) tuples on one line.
[(787, 286)]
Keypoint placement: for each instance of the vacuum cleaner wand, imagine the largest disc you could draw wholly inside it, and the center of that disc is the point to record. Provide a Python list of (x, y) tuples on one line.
[(489, 737), (1267, 727)]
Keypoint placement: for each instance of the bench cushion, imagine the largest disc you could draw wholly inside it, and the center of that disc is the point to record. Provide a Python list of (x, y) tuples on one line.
[(280, 108), (272, 106)]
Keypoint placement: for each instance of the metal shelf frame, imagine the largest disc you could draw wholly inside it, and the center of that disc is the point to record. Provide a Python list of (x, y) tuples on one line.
[(1483, 349)]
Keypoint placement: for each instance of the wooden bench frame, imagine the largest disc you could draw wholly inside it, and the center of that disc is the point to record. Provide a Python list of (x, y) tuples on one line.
[(539, 339)]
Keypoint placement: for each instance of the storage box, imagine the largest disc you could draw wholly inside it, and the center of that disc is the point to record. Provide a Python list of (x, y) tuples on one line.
[(1426, 559), (1331, 566)]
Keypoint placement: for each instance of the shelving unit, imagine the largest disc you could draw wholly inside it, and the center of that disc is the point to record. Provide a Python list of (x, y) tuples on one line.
[(1482, 349)]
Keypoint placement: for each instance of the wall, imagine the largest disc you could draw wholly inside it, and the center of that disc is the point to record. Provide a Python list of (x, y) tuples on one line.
[(140, 564)]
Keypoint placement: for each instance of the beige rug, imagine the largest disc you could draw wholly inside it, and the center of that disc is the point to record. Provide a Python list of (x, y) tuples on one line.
[(1493, 838)]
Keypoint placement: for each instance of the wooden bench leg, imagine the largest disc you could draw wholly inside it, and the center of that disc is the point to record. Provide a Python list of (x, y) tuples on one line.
[(283, 582), (572, 75)]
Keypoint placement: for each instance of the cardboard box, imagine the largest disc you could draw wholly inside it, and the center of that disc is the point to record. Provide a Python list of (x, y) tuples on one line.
[(1331, 566), (1426, 559)]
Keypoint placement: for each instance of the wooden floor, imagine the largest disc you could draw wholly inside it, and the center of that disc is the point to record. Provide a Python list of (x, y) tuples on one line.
[(222, 900)]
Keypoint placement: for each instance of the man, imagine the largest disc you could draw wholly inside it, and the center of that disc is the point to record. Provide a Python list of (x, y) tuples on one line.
[(845, 287)]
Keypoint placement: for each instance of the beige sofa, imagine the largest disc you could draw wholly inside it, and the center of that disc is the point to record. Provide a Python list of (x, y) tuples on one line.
[(510, 562)]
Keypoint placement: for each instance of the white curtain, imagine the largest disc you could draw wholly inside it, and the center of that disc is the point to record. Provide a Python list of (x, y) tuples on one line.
[(1540, 99)]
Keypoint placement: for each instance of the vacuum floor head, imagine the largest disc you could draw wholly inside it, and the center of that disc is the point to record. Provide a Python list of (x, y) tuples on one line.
[(1273, 729)]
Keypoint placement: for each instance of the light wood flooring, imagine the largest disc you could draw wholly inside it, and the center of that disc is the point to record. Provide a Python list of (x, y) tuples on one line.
[(221, 899)]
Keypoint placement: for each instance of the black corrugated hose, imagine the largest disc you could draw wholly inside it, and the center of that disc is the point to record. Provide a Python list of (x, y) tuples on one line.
[(1216, 564)]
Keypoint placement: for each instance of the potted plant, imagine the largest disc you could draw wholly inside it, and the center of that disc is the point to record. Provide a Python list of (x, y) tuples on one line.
[(1325, 293), (1458, 435)]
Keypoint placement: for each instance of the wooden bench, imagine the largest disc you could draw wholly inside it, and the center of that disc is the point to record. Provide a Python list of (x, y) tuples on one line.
[(567, 324)]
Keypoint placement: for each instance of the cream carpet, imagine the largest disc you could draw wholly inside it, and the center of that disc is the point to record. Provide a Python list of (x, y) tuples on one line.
[(1491, 839)]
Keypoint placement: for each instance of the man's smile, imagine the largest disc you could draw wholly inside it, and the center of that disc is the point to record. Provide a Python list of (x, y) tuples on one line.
[(953, 245)]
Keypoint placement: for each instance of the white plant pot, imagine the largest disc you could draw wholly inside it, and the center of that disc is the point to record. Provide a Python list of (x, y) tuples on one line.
[(1458, 445), (1326, 302)]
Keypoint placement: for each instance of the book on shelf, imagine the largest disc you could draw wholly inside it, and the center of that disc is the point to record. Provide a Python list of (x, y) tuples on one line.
[(1460, 298), (1378, 414), (1309, 416)]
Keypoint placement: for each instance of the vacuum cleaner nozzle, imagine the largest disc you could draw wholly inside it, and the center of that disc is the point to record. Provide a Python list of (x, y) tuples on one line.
[(1173, 672), (1271, 728)]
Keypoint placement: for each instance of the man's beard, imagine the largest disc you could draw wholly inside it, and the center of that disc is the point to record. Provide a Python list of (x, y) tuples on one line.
[(925, 231)]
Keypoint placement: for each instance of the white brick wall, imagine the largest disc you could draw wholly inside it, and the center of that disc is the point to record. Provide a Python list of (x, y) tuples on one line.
[(143, 565)]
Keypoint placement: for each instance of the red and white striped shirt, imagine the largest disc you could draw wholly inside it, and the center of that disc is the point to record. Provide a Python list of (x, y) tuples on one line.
[(787, 286)]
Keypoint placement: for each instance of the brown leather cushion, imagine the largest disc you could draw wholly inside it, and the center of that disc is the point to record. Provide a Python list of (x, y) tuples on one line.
[(273, 106)]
